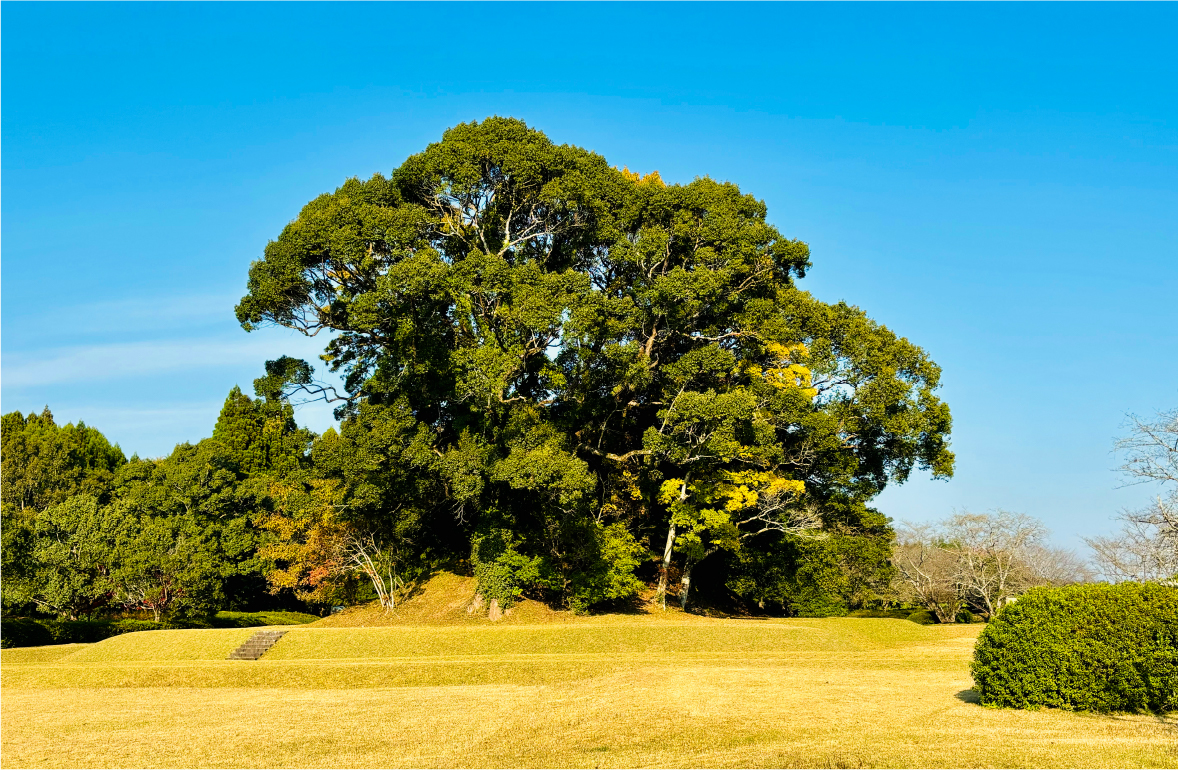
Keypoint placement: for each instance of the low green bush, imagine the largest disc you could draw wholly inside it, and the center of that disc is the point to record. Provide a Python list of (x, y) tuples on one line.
[(923, 617), (965, 616), (21, 632), (1085, 648), (894, 614), (251, 619), (27, 632)]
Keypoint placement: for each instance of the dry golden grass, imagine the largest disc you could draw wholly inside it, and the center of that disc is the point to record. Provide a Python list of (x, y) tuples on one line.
[(610, 691)]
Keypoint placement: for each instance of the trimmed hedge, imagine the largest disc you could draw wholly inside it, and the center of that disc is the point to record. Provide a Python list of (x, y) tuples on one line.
[(1083, 648), (25, 632), (894, 614), (29, 632), (268, 618)]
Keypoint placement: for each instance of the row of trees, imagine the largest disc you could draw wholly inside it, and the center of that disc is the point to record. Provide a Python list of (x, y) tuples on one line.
[(982, 561), (87, 531), (573, 378), (979, 562), (242, 519)]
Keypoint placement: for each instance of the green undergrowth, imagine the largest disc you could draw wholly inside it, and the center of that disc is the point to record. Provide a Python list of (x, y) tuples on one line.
[(29, 632), (254, 619)]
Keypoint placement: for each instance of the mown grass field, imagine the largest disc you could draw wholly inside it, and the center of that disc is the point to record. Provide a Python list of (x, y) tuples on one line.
[(643, 690)]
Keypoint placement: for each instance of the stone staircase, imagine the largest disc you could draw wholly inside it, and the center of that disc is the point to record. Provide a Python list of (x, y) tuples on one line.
[(256, 646)]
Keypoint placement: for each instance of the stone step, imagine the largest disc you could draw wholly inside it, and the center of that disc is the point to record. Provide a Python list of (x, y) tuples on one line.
[(256, 646)]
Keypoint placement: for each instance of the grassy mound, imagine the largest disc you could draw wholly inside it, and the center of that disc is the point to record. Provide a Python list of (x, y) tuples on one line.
[(444, 599), (611, 635), (178, 645), (604, 691)]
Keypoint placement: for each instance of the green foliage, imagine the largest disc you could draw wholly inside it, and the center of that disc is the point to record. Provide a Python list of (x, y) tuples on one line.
[(527, 335), (43, 464), (168, 565), (253, 619), (261, 435), (815, 578), (603, 570), (503, 573), (893, 614), (24, 632), (1085, 648), (547, 364), (923, 617), (72, 562)]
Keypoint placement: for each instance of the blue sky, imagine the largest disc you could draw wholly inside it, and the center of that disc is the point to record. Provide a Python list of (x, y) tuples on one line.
[(998, 183)]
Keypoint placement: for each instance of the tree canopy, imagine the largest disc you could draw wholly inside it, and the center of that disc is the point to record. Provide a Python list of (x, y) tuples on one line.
[(554, 346), (572, 381)]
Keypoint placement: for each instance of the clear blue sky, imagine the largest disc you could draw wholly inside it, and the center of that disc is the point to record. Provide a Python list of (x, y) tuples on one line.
[(998, 183)]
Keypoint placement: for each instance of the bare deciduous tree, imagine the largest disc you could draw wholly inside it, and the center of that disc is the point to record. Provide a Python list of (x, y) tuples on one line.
[(927, 572), (979, 560), (1147, 546), (376, 560), (992, 555), (1056, 566)]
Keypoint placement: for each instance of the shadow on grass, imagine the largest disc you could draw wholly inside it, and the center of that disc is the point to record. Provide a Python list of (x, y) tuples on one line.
[(969, 696)]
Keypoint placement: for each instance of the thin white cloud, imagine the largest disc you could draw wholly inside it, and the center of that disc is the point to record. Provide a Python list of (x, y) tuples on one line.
[(135, 315), (93, 363)]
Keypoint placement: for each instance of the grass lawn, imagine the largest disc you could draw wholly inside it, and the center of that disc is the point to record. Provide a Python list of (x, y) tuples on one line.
[(618, 690)]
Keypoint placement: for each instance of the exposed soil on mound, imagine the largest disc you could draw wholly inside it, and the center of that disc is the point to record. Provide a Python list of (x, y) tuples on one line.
[(447, 599), (444, 599)]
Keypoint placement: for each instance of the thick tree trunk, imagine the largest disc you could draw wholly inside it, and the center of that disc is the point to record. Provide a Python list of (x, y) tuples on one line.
[(661, 596)]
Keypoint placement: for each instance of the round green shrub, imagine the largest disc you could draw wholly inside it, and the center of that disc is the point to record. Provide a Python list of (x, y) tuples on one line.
[(923, 617), (1084, 648), (21, 632)]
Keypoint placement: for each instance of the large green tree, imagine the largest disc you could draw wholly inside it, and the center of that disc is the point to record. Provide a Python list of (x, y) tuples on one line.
[(581, 354), (44, 463)]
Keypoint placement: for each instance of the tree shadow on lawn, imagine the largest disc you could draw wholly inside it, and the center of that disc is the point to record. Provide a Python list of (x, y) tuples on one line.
[(969, 696)]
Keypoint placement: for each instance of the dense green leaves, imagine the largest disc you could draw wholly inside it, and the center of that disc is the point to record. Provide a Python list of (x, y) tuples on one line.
[(1088, 648), (550, 330), (555, 369), (45, 464)]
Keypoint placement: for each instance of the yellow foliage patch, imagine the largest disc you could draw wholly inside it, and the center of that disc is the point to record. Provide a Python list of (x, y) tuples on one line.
[(651, 178)]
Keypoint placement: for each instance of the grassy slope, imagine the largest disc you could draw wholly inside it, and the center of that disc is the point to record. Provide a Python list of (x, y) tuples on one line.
[(438, 688)]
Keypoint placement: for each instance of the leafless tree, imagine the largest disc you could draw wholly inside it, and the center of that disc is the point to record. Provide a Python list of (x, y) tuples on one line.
[(978, 560), (1147, 546), (992, 555), (927, 572), (1056, 566), (376, 560)]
